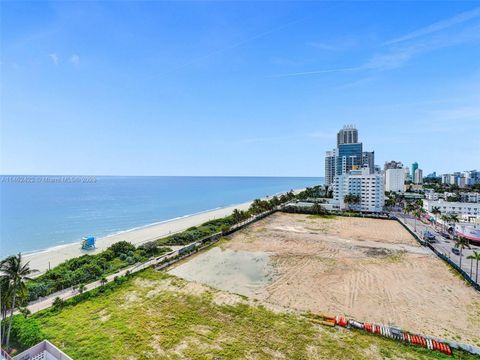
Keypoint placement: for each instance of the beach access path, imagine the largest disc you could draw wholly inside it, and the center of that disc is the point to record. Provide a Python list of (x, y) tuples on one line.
[(50, 258), (46, 302)]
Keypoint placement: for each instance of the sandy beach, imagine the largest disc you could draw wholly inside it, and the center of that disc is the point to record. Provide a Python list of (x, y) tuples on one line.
[(54, 256)]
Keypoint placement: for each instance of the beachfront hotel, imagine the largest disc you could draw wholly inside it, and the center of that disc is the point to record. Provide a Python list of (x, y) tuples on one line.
[(351, 171), (368, 187)]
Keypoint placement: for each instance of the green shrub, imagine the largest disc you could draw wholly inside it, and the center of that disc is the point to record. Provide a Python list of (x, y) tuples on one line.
[(121, 247), (26, 332), (58, 303)]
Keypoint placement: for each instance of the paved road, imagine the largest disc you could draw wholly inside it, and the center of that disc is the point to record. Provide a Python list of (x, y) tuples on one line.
[(442, 244)]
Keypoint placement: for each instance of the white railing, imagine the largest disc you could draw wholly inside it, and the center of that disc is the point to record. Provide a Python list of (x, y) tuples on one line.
[(44, 350)]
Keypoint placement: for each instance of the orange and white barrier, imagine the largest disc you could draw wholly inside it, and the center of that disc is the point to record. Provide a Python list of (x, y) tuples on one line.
[(395, 334)]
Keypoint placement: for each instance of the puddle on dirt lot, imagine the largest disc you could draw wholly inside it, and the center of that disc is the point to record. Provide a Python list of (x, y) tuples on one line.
[(241, 272)]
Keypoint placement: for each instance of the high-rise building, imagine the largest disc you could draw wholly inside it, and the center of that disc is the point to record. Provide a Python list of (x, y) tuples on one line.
[(368, 159), (392, 165), (348, 155), (418, 178), (330, 166), (414, 168), (453, 179), (368, 187), (394, 180), (472, 177), (462, 179), (348, 135)]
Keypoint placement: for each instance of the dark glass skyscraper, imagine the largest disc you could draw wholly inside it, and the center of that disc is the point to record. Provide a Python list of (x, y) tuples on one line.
[(347, 135), (348, 155)]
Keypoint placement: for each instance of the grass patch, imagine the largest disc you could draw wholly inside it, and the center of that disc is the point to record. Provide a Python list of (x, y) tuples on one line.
[(396, 256), (153, 315), (325, 216)]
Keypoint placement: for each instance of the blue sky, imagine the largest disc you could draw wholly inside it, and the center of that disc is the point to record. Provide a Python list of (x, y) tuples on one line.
[(236, 88)]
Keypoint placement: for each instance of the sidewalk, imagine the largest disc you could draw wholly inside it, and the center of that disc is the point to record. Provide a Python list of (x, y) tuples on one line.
[(46, 302), (442, 245)]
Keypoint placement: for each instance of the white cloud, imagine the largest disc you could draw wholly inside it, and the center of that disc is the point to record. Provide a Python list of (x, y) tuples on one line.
[(438, 26), (54, 57), (398, 54), (337, 44), (390, 60), (324, 71), (75, 59)]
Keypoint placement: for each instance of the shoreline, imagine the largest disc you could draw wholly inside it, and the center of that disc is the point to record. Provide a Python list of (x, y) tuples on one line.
[(42, 260), (119, 232)]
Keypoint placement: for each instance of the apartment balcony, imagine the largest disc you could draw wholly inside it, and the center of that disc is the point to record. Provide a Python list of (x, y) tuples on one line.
[(4, 355), (44, 350)]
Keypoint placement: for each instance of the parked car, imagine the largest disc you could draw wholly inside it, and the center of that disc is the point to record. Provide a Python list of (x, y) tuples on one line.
[(427, 235), (445, 235), (455, 251)]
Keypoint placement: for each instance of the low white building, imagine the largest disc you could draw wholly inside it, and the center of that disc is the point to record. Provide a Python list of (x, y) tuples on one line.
[(471, 197), (431, 195), (467, 211), (395, 180), (368, 187)]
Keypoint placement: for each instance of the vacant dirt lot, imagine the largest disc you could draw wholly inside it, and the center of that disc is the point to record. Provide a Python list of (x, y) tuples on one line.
[(370, 270)]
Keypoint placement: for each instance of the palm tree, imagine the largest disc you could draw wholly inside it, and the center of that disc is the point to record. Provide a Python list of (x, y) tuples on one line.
[(471, 257), (351, 199), (318, 209), (436, 211), (416, 215), (237, 216), (409, 208), (15, 273), (445, 218), (103, 281), (390, 202), (475, 256), (454, 219), (461, 243), (5, 300)]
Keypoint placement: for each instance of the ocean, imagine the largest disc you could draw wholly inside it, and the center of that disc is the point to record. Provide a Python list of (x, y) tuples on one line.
[(40, 212)]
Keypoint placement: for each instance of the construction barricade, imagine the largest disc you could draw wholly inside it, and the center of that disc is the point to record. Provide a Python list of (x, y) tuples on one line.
[(390, 332)]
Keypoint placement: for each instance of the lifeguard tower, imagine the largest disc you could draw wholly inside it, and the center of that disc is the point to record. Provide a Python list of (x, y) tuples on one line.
[(88, 243)]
